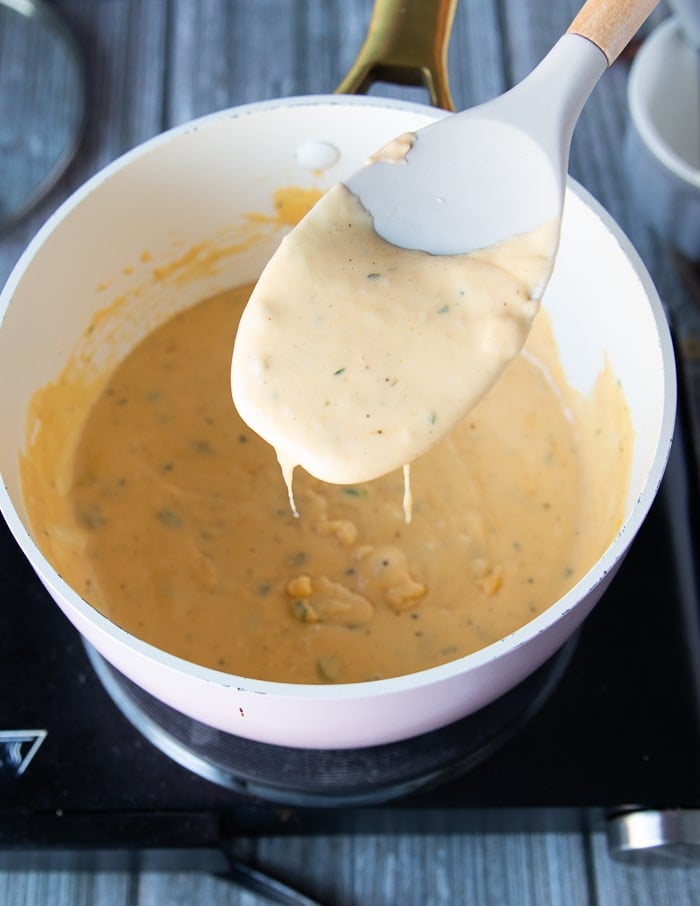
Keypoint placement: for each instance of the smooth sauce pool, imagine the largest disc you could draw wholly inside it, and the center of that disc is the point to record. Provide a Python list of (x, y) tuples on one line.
[(170, 517)]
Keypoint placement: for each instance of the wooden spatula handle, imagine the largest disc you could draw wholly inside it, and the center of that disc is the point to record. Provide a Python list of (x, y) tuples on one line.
[(611, 24)]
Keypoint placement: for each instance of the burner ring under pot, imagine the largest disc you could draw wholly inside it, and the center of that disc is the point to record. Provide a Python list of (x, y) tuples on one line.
[(335, 777)]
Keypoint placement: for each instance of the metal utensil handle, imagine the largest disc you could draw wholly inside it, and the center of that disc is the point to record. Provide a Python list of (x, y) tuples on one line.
[(406, 44), (611, 24)]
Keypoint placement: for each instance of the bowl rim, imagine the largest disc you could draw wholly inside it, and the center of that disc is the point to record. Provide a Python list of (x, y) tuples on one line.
[(656, 45), (517, 639)]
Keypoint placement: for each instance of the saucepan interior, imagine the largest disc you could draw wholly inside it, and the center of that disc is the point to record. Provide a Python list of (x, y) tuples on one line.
[(192, 212)]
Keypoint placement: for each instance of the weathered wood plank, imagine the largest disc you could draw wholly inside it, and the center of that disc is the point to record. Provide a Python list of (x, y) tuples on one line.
[(476, 60), (186, 889), (506, 869), (223, 54), (517, 869), (125, 49), (66, 888)]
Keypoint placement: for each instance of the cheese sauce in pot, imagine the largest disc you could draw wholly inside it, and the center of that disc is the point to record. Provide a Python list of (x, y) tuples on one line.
[(171, 519)]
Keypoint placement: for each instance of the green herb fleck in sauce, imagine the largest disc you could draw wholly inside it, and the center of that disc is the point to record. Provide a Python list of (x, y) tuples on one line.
[(92, 516), (329, 669), (169, 517), (354, 492), (303, 611)]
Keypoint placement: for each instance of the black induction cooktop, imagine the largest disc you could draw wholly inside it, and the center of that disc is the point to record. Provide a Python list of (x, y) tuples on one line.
[(611, 723)]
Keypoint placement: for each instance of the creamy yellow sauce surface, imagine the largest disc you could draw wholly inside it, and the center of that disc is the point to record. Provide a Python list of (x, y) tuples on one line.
[(169, 515), (354, 356)]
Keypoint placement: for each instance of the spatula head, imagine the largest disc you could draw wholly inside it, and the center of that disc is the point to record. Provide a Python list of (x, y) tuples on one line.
[(476, 178), (467, 182)]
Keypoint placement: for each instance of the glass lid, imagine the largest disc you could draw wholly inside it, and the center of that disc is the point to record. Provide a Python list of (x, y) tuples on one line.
[(42, 103)]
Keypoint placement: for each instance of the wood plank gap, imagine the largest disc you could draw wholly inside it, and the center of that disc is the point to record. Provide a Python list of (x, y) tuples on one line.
[(589, 867), (166, 85), (504, 30)]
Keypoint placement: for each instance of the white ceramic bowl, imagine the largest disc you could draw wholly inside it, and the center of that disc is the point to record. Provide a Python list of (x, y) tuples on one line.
[(195, 185), (662, 143)]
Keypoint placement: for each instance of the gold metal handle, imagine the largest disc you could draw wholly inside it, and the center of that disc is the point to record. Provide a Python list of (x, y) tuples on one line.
[(406, 44)]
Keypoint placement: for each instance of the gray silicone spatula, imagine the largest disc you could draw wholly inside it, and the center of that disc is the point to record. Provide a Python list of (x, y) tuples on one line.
[(480, 176), (401, 376)]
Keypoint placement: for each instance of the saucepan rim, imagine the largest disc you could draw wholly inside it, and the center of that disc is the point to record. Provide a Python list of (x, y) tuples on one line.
[(424, 678)]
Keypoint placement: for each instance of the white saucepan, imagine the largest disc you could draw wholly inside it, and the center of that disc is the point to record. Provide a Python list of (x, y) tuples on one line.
[(193, 189)]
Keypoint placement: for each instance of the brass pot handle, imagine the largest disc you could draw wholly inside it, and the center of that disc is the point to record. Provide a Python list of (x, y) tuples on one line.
[(406, 44)]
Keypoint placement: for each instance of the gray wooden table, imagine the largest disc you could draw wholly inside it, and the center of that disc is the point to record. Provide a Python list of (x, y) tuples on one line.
[(152, 64)]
